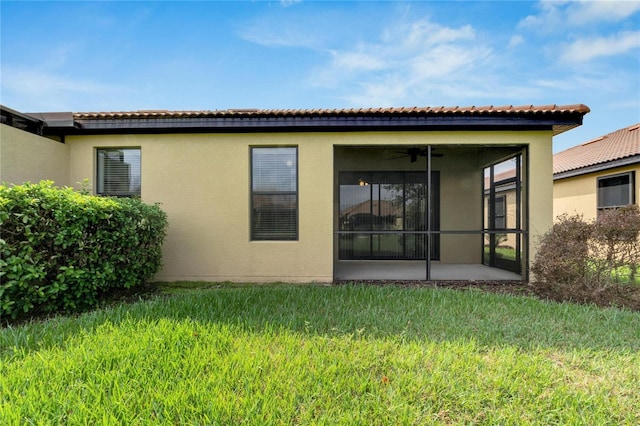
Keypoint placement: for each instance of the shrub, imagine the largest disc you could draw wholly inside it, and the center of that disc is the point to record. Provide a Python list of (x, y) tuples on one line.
[(616, 248), (60, 249), (563, 252), (591, 255)]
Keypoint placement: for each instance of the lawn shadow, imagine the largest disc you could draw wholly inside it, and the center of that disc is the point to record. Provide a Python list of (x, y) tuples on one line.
[(364, 311)]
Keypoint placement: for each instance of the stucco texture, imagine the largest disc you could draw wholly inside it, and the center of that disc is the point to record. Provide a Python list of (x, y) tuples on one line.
[(578, 194), (202, 181), (25, 157)]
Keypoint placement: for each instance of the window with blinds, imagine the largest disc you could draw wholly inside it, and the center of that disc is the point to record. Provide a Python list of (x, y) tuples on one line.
[(274, 193), (118, 172), (616, 191)]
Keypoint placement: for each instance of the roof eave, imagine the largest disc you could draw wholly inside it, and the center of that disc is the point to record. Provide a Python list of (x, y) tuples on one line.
[(635, 159), (558, 123)]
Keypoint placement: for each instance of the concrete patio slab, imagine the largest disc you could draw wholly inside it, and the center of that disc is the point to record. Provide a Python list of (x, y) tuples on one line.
[(416, 270)]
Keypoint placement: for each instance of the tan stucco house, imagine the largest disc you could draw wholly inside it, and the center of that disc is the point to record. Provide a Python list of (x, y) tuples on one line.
[(597, 175), (313, 195)]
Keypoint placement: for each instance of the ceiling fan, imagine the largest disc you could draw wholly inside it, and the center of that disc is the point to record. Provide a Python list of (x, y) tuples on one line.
[(414, 152)]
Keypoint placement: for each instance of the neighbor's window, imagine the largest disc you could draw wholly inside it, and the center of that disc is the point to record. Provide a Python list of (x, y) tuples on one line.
[(118, 172), (500, 212), (274, 193), (616, 191)]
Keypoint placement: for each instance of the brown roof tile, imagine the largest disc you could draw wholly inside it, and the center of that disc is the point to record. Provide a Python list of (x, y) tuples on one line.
[(614, 146), (469, 110)]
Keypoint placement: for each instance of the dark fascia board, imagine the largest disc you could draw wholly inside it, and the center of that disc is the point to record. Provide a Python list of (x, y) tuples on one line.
[(27, 117), (557, 123), (21, 121), (598, 167)]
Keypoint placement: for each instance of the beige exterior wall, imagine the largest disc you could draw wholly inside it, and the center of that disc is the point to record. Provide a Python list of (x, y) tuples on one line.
[(539, 196), (25, 157), (578, 195), (202, 182)]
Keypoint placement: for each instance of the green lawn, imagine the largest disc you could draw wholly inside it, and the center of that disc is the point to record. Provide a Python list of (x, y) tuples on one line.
[(313, 354), (508, 253)]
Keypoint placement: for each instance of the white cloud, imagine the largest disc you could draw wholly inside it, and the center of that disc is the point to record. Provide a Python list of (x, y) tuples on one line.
[(550, 17), (289, 29), (446, 61), (586, 49), (384, 92), (352, 61), (557, 15), (423, 34), (416, 59), (584, 88), (284, 37), (588, 12), (515, 41), (287, 3), (51, 91)]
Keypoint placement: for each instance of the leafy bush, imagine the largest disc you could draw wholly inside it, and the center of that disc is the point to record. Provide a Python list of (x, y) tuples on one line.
[(591, 255), (60, 249)]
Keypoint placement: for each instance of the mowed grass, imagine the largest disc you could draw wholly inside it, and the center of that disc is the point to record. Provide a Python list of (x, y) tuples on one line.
[(312, 354)]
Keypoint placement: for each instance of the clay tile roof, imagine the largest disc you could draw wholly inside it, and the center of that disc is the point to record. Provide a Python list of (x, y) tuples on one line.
[(469, 110), (623, 143)]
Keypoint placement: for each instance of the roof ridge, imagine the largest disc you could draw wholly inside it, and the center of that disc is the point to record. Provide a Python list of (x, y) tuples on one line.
[(526, 109)]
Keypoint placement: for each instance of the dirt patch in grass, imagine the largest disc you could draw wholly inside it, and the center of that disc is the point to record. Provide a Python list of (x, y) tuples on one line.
[(620, 296), (503, 287), (112, 297), (130, 295)]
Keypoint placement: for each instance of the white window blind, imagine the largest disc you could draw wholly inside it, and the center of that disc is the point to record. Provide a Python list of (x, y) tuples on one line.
[(118, 172), (274, 193)]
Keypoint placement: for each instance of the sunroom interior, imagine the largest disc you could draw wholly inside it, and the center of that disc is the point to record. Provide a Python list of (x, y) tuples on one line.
[(430, 213)]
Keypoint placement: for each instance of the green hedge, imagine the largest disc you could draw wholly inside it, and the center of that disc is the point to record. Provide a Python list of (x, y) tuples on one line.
[(60, 248)]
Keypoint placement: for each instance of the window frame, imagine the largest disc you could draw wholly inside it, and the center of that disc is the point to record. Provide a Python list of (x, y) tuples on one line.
[(253, 192), (631, 192), (100, 174)]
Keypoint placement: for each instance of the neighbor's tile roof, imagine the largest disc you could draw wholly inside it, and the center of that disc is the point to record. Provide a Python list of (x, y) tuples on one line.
[(470, 110), (614, 146)]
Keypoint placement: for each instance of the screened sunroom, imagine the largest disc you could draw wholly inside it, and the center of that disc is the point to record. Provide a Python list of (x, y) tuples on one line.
[(430, 212)]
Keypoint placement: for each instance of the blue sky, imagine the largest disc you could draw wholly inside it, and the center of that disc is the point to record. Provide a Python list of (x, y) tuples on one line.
[(115, 56)]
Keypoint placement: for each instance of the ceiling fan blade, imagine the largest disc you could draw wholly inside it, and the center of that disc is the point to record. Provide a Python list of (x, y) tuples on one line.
[(413, 153)]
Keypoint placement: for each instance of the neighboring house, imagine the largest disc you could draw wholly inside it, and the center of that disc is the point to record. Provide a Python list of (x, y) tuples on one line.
[(597, 175), (312, 195)]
